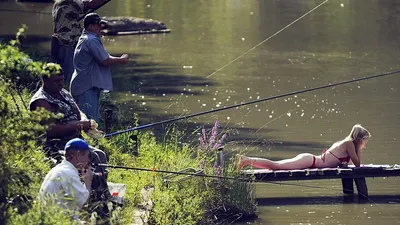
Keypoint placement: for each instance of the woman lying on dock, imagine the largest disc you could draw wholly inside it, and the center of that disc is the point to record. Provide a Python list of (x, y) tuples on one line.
[(341, 152)]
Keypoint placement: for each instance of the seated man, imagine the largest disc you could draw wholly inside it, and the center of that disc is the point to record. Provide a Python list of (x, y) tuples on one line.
[(54, 98), (62, 185)]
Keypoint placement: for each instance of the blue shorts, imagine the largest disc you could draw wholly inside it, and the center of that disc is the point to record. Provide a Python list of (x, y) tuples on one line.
[(89, 103)]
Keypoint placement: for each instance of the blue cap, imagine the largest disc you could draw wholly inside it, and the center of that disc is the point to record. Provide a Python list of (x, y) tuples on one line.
[(76, 144)]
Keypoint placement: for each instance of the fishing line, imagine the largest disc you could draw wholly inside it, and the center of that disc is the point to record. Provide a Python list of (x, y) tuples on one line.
[(22, 99), (262, 42), (197, 174), (233, 178), (251, 102), (49, 13), (15, 100), (26, 11), (171, 172)]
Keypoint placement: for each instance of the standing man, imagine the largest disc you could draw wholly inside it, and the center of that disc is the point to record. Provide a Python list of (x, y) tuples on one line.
[(67, 29), (63, 185), (92, 63)]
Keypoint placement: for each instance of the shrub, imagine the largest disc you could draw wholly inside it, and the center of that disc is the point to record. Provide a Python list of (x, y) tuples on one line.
[(17, 67), (181, 200), (21, 159)]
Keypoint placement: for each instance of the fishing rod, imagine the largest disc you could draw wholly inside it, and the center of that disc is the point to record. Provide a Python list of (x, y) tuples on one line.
[(22, 99), (14, 99), (25, 11), (94, 9), (49, 13), (250, 102), (234, 178), (200, 174), (170, 172)]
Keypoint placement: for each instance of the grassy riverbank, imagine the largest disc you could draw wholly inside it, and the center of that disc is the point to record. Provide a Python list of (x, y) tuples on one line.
[(195, 200)]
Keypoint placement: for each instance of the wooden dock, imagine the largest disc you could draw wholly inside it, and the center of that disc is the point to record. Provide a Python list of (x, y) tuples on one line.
[(347, 175), (265, 175)]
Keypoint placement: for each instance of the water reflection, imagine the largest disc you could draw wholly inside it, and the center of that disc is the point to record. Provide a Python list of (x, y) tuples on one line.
[(175, 74)]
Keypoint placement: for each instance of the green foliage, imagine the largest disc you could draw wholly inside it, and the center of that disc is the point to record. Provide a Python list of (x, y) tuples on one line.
[(39, 214), (22, 165), (182, 200), (21, 160), (16, 66)]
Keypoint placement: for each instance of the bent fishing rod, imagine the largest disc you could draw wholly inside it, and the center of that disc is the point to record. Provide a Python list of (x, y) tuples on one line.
[(196, 174), (248, 103), (200, 174)]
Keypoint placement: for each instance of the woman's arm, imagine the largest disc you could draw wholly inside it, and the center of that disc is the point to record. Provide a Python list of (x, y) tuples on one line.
[(359, 155), (59, 130), (351, 150)]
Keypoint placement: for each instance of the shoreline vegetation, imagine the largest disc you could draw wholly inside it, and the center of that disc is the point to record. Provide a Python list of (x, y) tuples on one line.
[(182, 200)]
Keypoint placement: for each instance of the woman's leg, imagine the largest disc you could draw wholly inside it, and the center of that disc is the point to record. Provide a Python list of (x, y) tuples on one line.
[(242, 161), (301, 161)]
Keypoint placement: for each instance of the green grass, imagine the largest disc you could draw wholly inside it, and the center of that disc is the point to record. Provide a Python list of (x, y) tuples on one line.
[(195, 200)]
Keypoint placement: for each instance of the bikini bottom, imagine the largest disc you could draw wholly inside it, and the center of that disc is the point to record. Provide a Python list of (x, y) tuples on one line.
[(313, 162)]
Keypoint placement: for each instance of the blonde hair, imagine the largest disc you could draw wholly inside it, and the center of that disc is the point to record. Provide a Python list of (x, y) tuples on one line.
[(358, 133)]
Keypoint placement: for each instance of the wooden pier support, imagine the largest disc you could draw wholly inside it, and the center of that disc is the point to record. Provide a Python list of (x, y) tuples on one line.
[(361, 184)]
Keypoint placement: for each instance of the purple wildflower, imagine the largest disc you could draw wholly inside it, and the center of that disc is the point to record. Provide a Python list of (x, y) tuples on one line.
[(201, 144), (219, 143)]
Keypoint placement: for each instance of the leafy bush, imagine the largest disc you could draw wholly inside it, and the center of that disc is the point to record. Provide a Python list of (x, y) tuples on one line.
[(21, 160), (22, 165), (182, 200), (17, 67), (40, 214), (185, 199)]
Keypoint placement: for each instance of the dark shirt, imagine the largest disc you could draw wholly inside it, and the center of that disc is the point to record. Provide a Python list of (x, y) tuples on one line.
[(66, 27), (67, 107)]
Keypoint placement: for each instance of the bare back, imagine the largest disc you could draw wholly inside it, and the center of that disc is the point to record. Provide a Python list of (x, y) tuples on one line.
[(341, 151)]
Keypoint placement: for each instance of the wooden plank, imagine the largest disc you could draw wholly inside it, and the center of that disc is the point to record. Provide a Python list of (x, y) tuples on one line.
[(264, 175), (282, 174), (297, 173)]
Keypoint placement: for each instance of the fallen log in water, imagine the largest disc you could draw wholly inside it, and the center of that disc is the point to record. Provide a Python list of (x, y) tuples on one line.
[(132, 25)]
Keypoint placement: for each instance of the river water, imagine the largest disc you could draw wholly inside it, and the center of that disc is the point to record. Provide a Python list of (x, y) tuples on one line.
[(221, 53)]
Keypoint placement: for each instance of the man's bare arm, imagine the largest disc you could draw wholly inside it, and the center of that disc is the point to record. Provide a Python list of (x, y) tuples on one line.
[(116, 60), (59, 130), (93, 4)]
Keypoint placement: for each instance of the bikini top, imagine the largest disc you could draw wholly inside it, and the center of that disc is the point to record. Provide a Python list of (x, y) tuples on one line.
[(343, 159)]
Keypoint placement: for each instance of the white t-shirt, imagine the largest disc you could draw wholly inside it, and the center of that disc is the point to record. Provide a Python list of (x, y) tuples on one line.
[(64, 185)]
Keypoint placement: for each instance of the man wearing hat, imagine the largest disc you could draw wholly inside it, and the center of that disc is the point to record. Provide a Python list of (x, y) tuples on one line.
[(67, 29), (92, 63), (63, 183)]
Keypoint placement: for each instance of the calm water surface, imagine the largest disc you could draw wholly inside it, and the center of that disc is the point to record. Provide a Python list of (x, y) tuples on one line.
[(218, 55)]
